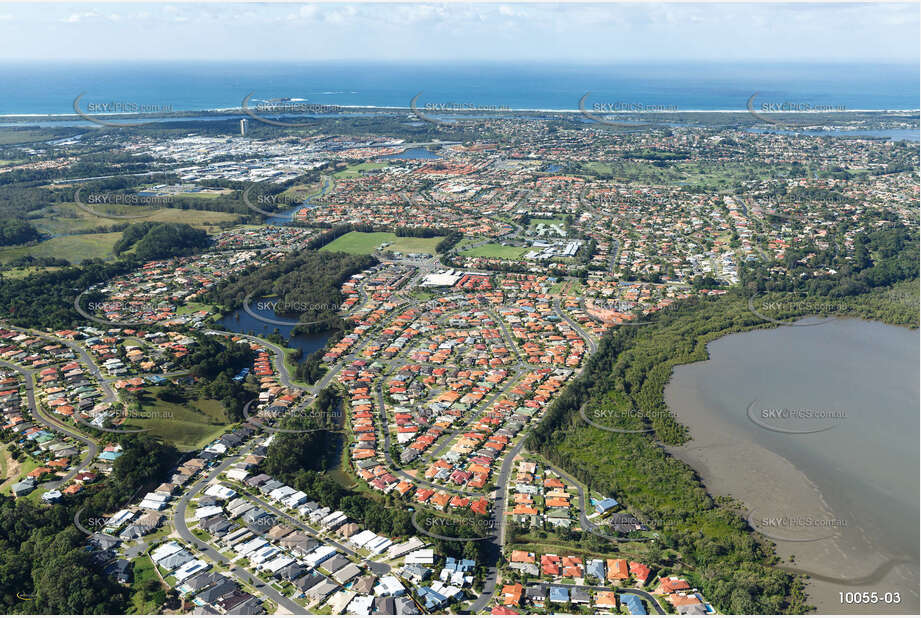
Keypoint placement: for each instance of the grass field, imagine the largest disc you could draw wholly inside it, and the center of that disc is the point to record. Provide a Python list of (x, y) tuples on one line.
[(355, 170), (23, 136), (19, 273), (192, 307), (67, 218), (142, 601), (24, 468), (74, 249), (535, 221), (187, 426), (494, 250), (367, 242)]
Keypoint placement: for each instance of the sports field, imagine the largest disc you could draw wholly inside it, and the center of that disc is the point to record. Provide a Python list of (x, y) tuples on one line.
[(494, 250), (368, 242)]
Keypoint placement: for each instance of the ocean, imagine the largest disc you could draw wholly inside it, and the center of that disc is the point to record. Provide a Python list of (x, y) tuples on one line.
[(41, 88)]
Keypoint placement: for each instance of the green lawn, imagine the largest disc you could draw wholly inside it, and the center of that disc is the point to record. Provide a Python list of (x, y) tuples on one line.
[(192, 307), (368, 242), (16, 135), (67, 218), (187, 426), (355, 170), (74, 249), (143, 600), (494, 250), (28, 271), (24, 468), (535, 221)]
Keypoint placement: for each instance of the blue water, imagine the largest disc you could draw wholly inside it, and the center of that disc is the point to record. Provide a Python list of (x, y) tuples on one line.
[(41, 88), (911, 135), (413, 153), (242, 322)]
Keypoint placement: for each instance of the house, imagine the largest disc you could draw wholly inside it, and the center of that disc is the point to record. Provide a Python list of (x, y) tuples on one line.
[(595, 568), (606, 599), (617, 570), (633, 604), (511, 594), (23, 487), (640, 572), (405, 606), (347, 573), (537, 593), (580, 596), (688, 603), (671, 584), (605, 505), (121, 570), (384, 606), (559, 594)]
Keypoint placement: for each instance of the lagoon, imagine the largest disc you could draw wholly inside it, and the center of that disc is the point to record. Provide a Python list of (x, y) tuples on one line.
[(816, 430)]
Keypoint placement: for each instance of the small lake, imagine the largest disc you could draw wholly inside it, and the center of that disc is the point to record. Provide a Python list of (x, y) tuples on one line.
[(242, 322), (815, 428), (413, 153)]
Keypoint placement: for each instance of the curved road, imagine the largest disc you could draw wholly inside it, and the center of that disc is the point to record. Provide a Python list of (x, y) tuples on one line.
[(37, 414), (240, 573)]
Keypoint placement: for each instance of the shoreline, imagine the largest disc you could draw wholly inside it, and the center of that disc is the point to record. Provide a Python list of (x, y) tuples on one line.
[(239, 110), (730, 463)]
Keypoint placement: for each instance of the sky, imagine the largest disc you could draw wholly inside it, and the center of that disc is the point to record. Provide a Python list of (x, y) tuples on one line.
[(510, 32)]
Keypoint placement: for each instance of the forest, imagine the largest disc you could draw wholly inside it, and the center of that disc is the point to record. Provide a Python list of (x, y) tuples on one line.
[(305, 284), (45, 567)]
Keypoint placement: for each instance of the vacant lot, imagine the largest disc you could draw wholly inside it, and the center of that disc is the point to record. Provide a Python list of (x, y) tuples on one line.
[(493, 250), (74, 249), (368, 242), (66, 218), (187, 426)]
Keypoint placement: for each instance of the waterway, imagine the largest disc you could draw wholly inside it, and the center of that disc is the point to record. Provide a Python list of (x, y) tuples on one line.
[(815, 429), (241, 321)]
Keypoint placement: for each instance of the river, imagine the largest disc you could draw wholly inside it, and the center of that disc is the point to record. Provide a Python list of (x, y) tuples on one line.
[(815, 429)]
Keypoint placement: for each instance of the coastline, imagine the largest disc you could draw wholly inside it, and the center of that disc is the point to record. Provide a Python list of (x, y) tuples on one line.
[(730, 463), (239, 110)]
